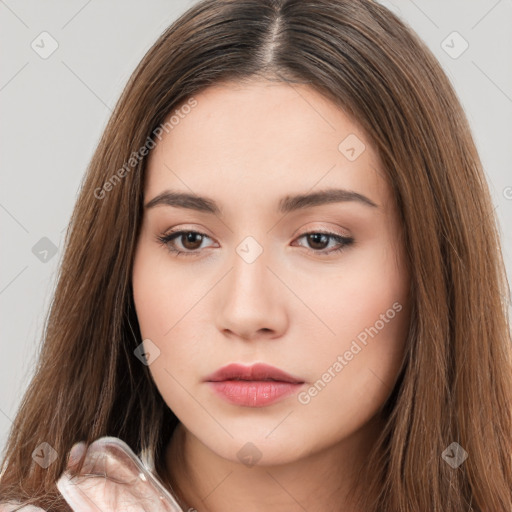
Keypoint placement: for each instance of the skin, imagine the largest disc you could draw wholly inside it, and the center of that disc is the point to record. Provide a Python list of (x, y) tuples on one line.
[(246, 146)]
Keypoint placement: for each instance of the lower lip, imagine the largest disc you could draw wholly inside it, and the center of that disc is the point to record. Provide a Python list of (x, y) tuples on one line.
[(254, 393)]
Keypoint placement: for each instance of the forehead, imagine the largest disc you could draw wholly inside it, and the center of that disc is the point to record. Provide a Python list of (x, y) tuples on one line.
[(263, 138)]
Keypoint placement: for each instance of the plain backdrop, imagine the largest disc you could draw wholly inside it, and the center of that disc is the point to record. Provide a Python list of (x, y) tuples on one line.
[(65, 63)]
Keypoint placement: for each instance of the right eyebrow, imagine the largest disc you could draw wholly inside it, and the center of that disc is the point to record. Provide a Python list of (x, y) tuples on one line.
[(185, 200)]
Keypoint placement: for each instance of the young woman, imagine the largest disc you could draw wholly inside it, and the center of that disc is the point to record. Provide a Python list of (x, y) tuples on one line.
[(283, 287)]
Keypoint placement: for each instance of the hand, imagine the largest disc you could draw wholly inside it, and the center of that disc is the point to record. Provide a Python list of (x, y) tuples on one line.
[(112, 479)]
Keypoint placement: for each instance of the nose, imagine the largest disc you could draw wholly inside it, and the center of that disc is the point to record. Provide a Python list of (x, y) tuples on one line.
[(252, 300)]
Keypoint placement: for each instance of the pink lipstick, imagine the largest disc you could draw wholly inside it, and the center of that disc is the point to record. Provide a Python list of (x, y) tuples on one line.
[(257, 385)]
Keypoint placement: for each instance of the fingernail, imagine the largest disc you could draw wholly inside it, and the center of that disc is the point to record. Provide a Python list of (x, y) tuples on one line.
[(76, 453)]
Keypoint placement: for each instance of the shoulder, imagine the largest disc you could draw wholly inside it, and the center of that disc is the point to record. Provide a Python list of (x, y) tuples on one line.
[(12, 506)]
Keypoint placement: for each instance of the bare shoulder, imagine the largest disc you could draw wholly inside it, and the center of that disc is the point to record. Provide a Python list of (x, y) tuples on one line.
[(15, 507)]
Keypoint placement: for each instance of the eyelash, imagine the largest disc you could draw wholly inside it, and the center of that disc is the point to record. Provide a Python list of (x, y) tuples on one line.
[(166, 240)]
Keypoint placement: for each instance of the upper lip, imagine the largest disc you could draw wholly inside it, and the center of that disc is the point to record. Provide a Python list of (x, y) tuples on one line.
[(255, 372)]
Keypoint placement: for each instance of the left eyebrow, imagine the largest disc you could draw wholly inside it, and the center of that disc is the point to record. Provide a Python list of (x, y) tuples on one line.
[(286, 204), (332, 195)]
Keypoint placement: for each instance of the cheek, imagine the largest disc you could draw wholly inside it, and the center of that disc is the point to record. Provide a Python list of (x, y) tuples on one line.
[(162, 295), (367, 292), (367, 311), (166, 304)]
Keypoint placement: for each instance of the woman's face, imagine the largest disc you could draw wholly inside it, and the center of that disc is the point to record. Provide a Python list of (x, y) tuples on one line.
[(260, 278)]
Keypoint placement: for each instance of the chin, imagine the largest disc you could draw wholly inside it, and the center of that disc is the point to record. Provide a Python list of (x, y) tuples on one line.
[(255, 449)]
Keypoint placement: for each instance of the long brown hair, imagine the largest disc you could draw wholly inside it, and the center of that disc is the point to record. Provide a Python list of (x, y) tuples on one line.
[(456, 381)]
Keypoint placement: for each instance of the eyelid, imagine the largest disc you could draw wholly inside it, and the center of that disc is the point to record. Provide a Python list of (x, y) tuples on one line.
[(323, 227), (325, 231)]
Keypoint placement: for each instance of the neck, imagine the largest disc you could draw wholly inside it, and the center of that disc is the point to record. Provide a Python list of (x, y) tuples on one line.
[(204, 481)]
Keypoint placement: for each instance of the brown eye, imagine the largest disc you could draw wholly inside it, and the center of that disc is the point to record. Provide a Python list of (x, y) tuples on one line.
[(319, 241), (189, 242)]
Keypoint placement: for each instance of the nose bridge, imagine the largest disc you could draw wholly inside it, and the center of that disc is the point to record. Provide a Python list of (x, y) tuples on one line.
[(250, 275), (250, 300)]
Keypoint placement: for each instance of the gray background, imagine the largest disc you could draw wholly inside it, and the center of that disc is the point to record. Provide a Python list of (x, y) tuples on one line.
[(54, 109)]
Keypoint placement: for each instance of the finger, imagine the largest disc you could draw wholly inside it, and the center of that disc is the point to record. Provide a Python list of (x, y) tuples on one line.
[(74, 455)]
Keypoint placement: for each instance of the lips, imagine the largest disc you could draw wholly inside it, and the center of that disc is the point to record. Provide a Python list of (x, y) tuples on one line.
[(258, 385), (257, 372)]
